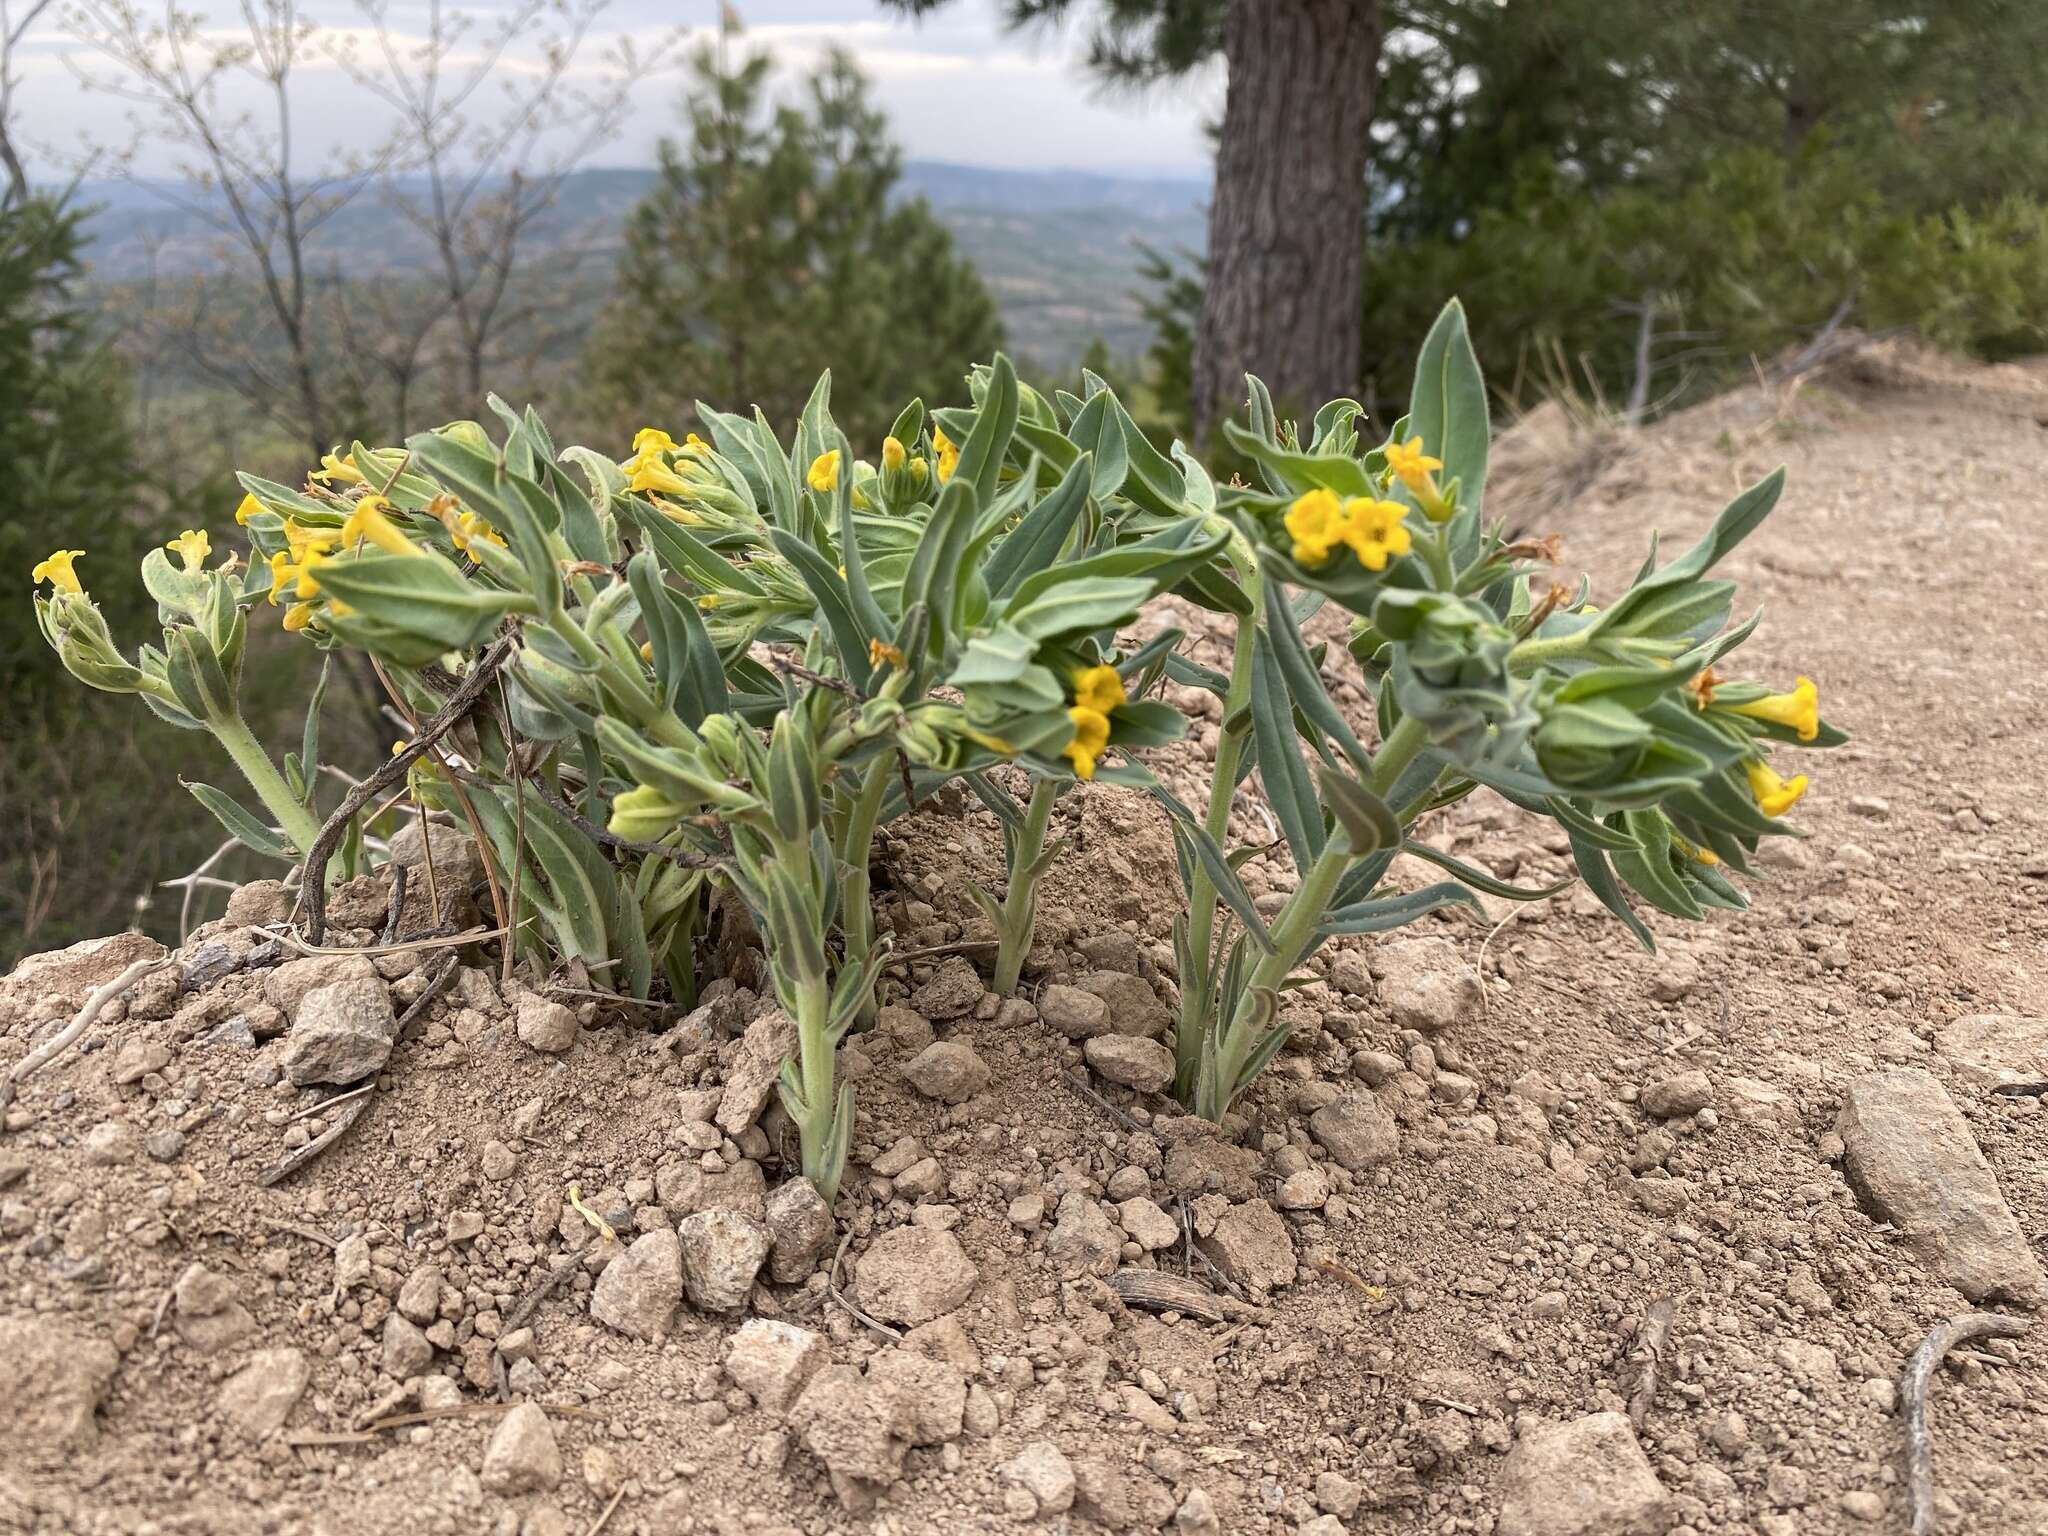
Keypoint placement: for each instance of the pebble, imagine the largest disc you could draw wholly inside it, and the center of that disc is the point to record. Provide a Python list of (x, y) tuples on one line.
[(499, 1162), (951, 993), (637, 1293), (772, 1362), (52, 1381), (722, 1252), (800, 1231), (1042, 1470), (522, 1456), (546, 1025), (1584, 1477), (1075, 1013), (911, 1275), (769, 1041), (111, 1143), (1356, 1131), (341, 1032), (406, 1350), (1131, 1061), (1685, 1093), (261, 1395), (948, 1071)]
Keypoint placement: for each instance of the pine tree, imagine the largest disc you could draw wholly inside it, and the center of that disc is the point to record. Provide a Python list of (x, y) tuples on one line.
[(773, 246)]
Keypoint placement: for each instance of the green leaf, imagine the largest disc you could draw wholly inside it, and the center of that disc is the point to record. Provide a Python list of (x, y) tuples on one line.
[(1098, 433), (1289, 789), (422, 597), (1296, 472), (1599, 877), (849, 638), (1036, 542), (1304, 681), (1368, 821), (242, 826), (1479, 879), (1382, 914), (1447, 408), (981, 456), (1081, 606)]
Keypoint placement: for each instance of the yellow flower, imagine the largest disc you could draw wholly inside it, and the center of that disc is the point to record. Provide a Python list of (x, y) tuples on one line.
[(301, 539), (893, 454), (694, 447), (1091, 735), (1798, 710), (57, 571), (298, 616), (1100, 689), (192, 546), (247, 508), (1411, 464), (343, 469), (649, 441), (919, 469), (470, 529), (880, 651), (1373, 531), (1316, 523), (366, 521), (283, 570), (399, 746), (948, 452), (1775, 796), (648, 473), (824, 472)]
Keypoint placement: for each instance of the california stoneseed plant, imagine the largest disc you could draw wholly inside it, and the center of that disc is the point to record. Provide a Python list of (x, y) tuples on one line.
[(709, 672)]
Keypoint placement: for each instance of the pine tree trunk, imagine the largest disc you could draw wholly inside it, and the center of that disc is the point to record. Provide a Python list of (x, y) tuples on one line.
[(1287, 223)]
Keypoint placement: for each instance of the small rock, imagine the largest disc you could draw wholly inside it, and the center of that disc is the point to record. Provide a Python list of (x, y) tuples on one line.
[(938, 1388), (1687, 1093), (1083, 1240), (1251, 1244), (1134, 1008), (1197, 1515), (111, 1143), (638, 1292), (1872, 806), (419, 1299), (800, 1232), (341, 1033), (1586, 1477), (913, 1274), (52, 1381), (1307, 1189), (522, 1456), (772, 1362), (545, 1024), (1131, 1061), (947, 1071), (261, 1395), (1863, 1504), (1909, 1155), (859, 1429), (1356, 1131), (1337, 1494), (1349, 973), (1674, 977), (1077, 1014), (1994, 1048), (135, 1060), (1043, 1471), (1425, 986), (352, 1261), (406, 1350), (1150, 1227), (749, 1081), (951, 993), (498, 1162), (722, 1252)]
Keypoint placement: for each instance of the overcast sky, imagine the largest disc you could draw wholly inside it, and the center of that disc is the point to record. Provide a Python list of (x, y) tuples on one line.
[(956, 87)]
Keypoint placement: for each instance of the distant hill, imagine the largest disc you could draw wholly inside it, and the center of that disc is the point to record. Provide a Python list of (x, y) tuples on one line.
[(1059, 249)]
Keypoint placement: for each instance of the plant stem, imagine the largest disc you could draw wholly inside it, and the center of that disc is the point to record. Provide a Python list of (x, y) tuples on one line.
[(856, 906), (1403, 745), (1291, 934), (814, 1063), (1223, 786), (1020, 896), (255, 765)]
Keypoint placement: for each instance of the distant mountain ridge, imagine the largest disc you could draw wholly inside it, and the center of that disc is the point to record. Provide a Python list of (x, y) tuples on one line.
[(1060, 249)]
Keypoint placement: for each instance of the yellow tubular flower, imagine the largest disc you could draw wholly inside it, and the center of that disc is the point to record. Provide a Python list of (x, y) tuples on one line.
[(880, 651), (1774, 796), (1798, 710), (1416, 470), (298, 616), (1099, 688), (649, 441), (247, 508), (469, 529), (1372, 531), (948, 453), (1091, 735), (893, 454), (284, 569), (1316, 524), (648, 473), (367, 522), (192, 546), (824, 472), (57, 571), (342, 469)]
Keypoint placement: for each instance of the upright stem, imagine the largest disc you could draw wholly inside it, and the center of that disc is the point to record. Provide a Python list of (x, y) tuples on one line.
[(255, 765), (1223, 786), (814, 1062), (856, 906), (1020, 896)]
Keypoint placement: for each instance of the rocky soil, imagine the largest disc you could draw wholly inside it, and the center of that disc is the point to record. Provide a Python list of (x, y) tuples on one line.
[(367, 1242)]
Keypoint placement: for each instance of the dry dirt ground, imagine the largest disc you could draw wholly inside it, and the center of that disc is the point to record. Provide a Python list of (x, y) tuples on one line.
[(1448, 1268)]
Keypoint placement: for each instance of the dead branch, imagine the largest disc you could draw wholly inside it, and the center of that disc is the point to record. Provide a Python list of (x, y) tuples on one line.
[(313, 883), (1913, 1385), (54, 1047)]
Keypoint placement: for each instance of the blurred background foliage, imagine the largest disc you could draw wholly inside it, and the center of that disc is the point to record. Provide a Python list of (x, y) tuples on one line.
[(1637, 203)]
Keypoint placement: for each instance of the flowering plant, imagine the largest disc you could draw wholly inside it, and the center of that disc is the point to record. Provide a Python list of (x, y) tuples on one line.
[(726, 661)]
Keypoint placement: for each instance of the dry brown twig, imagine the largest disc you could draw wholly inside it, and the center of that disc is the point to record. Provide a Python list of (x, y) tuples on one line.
[(1913, 1384), (55, 1046)]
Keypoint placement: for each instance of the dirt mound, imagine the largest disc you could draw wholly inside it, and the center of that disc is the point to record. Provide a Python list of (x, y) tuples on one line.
[(545, 1270)]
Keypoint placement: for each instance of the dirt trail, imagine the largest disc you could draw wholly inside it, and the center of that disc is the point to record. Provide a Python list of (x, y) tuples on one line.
[(1457, 1249)]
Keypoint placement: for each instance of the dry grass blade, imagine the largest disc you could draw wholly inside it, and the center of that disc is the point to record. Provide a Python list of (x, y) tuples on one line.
[(1155, 1290)]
